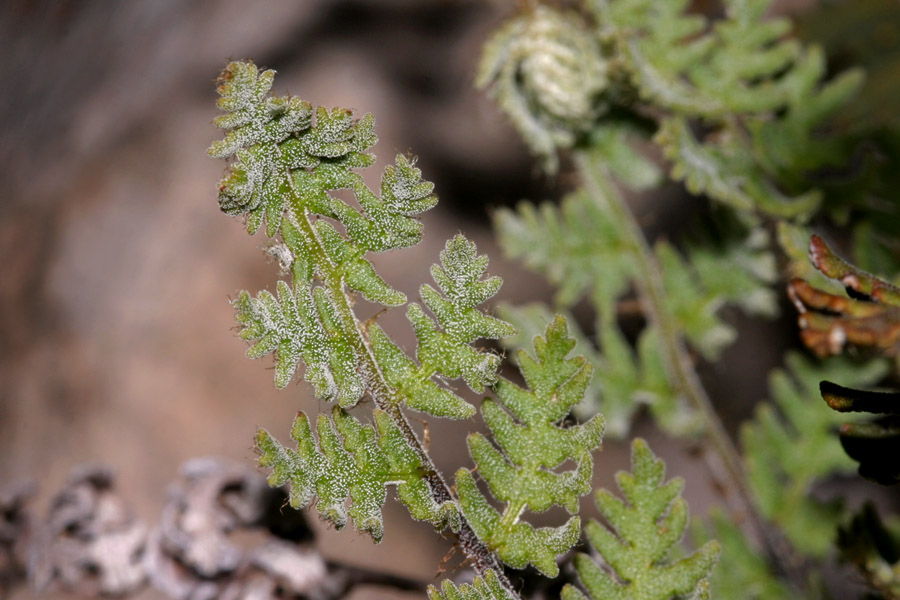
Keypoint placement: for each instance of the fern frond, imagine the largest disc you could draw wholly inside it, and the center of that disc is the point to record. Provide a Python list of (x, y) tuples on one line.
[(578, 246), (482, 588), (583, 248), (527, 424), (351, 463), (791, 445), (711, 277), (658, 43), (281, 153), (739, 65), (614, 141), (644, 529), (763, 95), (455, 309), (729, 173), (347, 462), (301, 324), (286, 163)]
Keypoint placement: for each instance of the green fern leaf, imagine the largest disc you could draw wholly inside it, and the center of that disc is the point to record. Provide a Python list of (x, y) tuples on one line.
[(625, 378), (740, 74), (742, 573), (461, 322), (582, 247), (578, 246), (612, 141), (482, 588), (526, 424), (736, 273), (413, 382), (729, 173), (789, 145), (742, 64), (286, 160), (787, 453), (659, 42), (644, 531), (301, 324), (352, 462), (445, 341)]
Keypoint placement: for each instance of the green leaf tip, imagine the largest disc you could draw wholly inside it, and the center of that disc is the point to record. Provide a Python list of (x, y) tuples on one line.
[(348, 466), (528, 425), (643, 530), (288, 157), (445, 340), (482, 588)]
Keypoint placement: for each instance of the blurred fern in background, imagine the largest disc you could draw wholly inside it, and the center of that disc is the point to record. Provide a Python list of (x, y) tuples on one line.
[(753, 120)]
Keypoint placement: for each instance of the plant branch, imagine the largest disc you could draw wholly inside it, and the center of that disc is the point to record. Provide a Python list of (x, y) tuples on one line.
[(475, 551), (677, 360)]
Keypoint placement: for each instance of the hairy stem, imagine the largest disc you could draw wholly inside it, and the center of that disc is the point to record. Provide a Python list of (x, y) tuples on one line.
[(678, 362), (481, 558)]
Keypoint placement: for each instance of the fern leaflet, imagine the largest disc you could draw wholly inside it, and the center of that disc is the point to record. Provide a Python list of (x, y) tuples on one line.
[(527, 425), (644, 531)]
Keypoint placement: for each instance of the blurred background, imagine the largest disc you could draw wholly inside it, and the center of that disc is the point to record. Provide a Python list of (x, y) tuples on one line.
[(116, 265)]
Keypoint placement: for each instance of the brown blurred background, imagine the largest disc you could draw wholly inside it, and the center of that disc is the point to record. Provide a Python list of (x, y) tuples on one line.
[(116, 265)]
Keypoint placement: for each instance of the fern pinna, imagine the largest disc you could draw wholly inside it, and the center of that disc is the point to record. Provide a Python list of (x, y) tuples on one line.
[(643, 533), (286, 160)]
